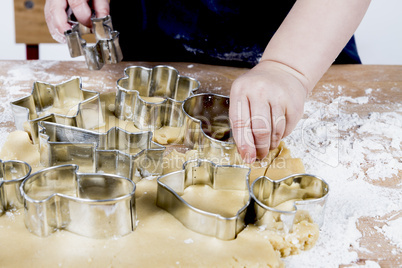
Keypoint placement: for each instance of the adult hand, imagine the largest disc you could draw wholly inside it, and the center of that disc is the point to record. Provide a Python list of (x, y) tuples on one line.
[(265, 105), (56, 15)]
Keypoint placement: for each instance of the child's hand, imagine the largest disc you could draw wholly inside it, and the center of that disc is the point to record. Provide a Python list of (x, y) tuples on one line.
[(56, 15), (265, 105)]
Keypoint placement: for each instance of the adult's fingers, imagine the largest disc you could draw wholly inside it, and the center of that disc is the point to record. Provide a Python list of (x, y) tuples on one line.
[(56, 19), (101, 8), (260, 125), (82, 11), (278, 125), (239, 113)]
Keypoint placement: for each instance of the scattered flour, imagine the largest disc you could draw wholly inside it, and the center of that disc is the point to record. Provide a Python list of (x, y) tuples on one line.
[(351, 162)]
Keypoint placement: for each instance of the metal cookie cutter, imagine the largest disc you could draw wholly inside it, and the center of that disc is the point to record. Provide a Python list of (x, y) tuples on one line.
[(207, 127), (305, 192), (12, 173), (132, 155), (107, 48), (92, 205), (171, 186), (159, 81), (66, 95)]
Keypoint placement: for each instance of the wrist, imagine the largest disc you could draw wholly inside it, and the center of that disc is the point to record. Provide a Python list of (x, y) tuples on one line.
[(299, 76)]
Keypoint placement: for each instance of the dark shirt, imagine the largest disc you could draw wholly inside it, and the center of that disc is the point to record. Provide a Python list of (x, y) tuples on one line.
[(222, 32)]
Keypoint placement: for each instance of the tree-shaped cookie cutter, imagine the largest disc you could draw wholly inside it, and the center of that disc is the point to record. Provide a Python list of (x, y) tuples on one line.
[(106, 49), (207, 127), (88, 204), (132, 155), (69, 94), (171, 186), (12, 173), (159, 81), (306, 193)]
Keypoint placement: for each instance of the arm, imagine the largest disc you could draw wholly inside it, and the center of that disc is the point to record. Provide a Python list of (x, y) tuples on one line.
[(56, 15), (267, 102)]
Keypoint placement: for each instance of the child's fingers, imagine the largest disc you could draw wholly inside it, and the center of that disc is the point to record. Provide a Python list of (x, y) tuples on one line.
[(81, 11), (278, 125), (239, 113), (101, 8), (56, 19), (261, 125)]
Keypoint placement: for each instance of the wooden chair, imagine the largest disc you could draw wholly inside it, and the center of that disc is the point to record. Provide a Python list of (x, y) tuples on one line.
[(30, 26)]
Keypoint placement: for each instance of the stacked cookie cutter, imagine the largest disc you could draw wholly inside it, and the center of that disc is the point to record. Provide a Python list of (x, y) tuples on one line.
[(51, 205), (88, 204), (132, 155), (45, 96), (12, 174), (207, 129), (160, 81), (107, 48)]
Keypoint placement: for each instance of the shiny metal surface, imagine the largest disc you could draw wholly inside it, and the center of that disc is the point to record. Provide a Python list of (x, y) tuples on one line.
[(207, 127), (309, 193), (132, 155), (87, 113), (106, 49), (12, 173), (92, 205), (159, 81), (171, 186)]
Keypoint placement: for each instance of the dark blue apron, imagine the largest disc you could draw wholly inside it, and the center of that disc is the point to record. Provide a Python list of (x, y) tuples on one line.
[(222, 32)]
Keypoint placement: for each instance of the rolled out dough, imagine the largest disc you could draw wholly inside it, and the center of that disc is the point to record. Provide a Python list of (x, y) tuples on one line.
[(160, 240)]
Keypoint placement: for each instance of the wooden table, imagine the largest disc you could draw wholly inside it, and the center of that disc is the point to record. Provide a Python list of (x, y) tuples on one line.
[(17, 77)]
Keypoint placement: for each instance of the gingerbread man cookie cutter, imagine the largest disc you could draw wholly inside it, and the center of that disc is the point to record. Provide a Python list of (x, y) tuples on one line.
[(88, 204), (69, 96), (132, 155), (172, 185), (160, 81), (305, 192), (12, 173), (106, 49)]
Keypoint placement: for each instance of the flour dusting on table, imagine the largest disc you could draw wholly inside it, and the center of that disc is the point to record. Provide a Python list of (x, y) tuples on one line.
[(345, 159)]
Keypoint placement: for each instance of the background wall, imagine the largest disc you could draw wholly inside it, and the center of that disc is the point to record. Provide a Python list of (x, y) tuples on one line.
[(379, 36)]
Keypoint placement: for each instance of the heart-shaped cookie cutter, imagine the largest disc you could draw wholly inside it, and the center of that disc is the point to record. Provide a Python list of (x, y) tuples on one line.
[(160, 81), (12, 173), (106, 49), (132, 155), (33, 108), (207, 127), (171, 186), (305, 192), (88, 204)]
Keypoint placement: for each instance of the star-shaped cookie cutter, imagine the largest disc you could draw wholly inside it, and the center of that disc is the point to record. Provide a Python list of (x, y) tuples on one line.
[(66, 95), (132, 155), (159, 81), (106, 49), (12, 173), (88, 204), (207, 127), (172, 185), (306, 192)]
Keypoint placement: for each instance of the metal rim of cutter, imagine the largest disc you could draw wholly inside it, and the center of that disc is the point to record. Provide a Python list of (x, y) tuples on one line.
[(198, 220), (159, 81), (44, 95), (56, 141), (315, 206), (10, 195), (92, 217)]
